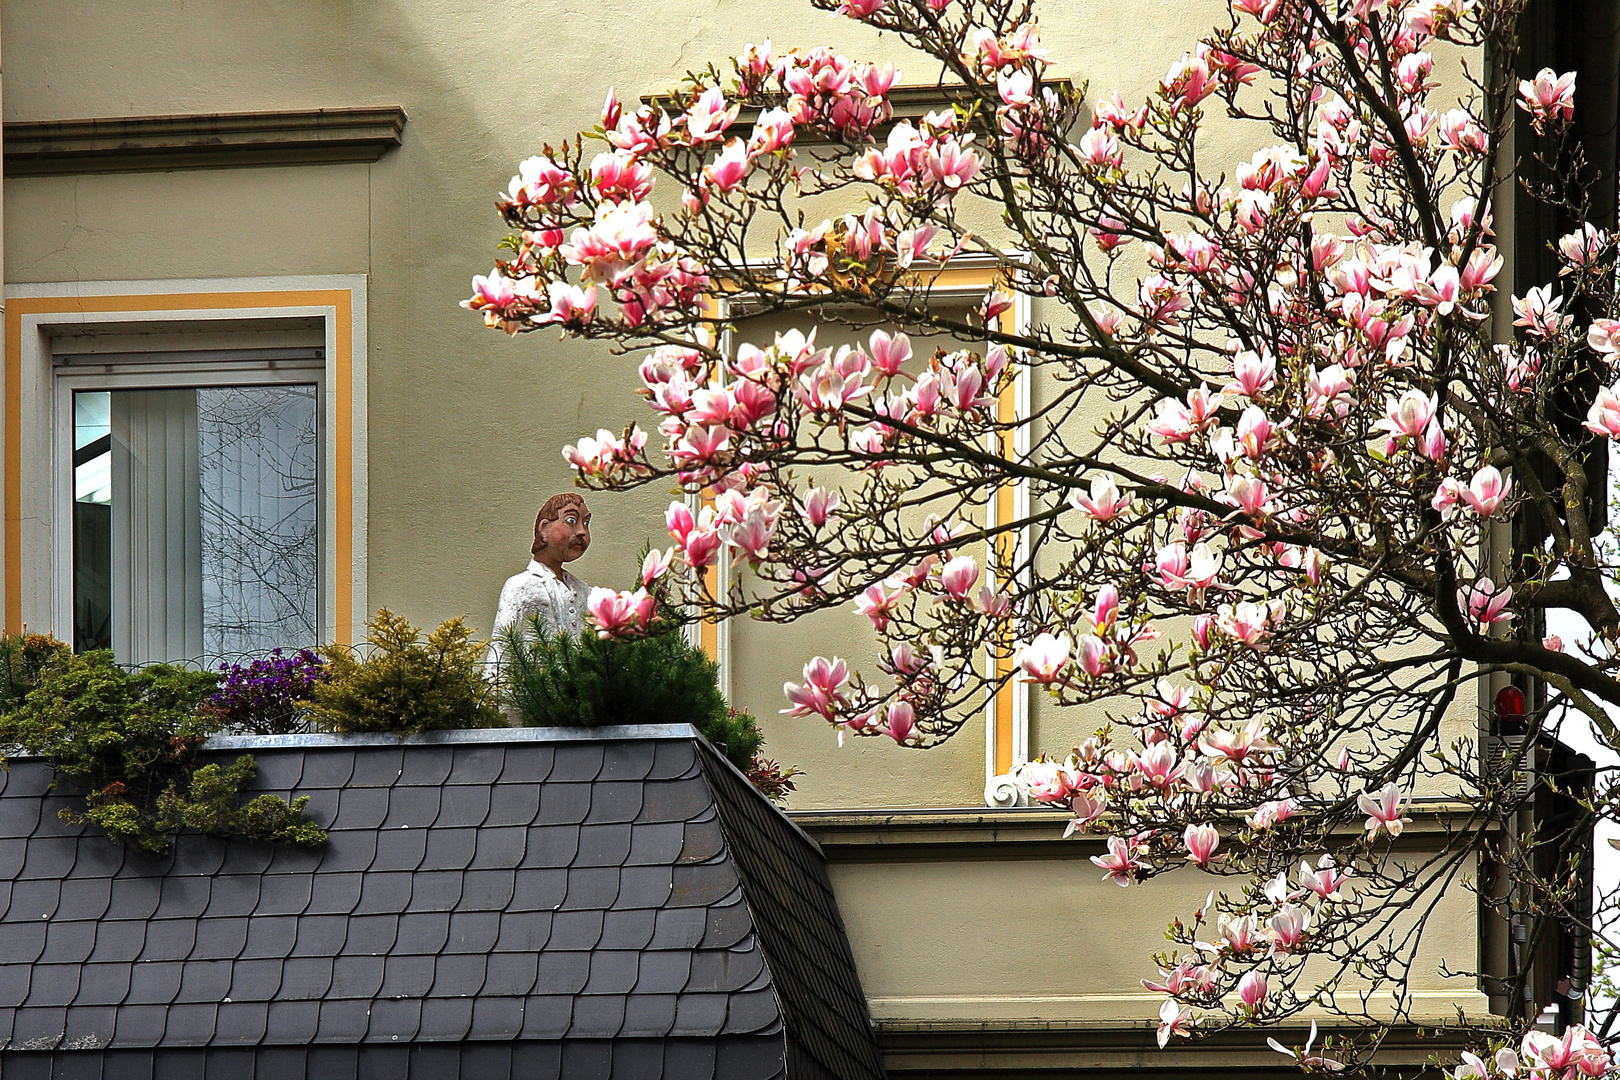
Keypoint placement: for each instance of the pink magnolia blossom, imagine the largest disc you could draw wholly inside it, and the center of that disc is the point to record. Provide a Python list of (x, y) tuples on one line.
[(493, 293), (1175, 1019), (1549, 96), (1252, 990), (1287, 929), (1176, 568), (822, 692), (1093, 656), (1104, 501), (1201, 842), (1303, 1056), (1552, 643), (730, 168), (1486, 492), (817, 505), (1249, 623), (1603, 336), (959, 576), (900, 722), (1087, 807), (655, 565), (1325, 880), (1581, 248), (619, 614), (541, 182), (1385, 809), (1539, 312), (1485, 603), (888, 353), (1603, 417), (710, 115), (1043, 660), (1252, 374), (1434, 443), (1270, 814), (877, 604), (1122, 863), (1099, 148), (773, 131), (1407, 415), (571, 307)]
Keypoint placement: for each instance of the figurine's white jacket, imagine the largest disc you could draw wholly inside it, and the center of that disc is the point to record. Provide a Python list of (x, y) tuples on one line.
[(558, 599)]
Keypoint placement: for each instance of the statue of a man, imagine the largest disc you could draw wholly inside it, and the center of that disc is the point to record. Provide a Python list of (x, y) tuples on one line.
[(562, 532)]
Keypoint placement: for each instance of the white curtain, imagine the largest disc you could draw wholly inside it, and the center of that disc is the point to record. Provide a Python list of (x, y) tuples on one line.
[(157, 596)]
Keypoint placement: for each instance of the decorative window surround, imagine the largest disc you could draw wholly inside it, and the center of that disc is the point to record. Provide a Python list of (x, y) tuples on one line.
[(1006, 713), (201, 141), (33, 548)]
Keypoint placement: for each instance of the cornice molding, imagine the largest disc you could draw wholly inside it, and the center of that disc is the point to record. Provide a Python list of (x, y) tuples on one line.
[(910, 103), (201, 140)]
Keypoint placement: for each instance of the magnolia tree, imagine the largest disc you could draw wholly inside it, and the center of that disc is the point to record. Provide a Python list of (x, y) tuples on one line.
[(1301, 480)]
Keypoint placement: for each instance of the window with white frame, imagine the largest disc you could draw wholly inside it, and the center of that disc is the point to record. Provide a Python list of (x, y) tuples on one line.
[(195, 500)]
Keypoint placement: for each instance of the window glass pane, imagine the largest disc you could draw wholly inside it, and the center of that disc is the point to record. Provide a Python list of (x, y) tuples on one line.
[(257, 452), (195, 521), (92, 521)]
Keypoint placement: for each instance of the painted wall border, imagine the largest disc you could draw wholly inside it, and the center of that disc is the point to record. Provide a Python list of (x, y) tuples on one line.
[(27, 546)]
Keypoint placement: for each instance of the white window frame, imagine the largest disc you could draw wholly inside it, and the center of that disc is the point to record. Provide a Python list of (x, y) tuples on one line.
[(164, 370), (38, 315)]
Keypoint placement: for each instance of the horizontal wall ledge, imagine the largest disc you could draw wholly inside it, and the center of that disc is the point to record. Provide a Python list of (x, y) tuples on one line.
[(1109, 1051), (883, 835), (201, 140)]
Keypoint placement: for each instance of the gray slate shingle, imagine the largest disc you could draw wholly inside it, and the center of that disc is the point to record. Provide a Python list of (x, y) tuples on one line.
[(576, 908)]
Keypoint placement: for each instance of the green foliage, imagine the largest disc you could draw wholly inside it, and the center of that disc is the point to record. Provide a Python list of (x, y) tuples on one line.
[(575, 680), (128, 742), (23, 658), (404, 684)]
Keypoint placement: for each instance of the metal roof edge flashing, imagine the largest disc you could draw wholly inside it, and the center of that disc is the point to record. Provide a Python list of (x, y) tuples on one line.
[(714, 752), (456, 737)]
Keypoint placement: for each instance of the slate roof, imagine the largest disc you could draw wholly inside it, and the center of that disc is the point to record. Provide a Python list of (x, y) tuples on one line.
[(526, 903)]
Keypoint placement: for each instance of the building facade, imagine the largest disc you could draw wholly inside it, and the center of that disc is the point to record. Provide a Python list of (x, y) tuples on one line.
[(235, 236)]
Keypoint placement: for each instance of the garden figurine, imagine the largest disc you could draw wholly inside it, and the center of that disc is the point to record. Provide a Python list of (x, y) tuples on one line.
[(546, 590)]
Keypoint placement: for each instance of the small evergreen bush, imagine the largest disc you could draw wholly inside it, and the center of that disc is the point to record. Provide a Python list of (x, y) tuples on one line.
[(128, 742), (23, 659), (404, 684), (574, 680)]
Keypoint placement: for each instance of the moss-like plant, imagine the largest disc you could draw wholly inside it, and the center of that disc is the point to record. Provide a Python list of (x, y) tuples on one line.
[(573, 680), (127, 741), (402, 683)]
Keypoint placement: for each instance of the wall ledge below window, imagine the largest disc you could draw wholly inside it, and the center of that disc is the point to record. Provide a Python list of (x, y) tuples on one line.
[(201, 140)]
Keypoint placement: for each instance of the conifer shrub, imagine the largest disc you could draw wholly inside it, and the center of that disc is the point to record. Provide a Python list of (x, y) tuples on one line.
[(128, 741), (582, 680), (402, 683)]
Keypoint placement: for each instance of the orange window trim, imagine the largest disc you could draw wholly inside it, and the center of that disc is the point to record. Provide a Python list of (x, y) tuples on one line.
[(340, 300)]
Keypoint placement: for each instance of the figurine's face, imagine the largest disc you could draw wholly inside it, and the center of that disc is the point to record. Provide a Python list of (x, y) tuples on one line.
[(568, 536)]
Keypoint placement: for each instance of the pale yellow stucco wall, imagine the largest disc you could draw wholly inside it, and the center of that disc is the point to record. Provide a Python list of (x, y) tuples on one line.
[(464, 424)]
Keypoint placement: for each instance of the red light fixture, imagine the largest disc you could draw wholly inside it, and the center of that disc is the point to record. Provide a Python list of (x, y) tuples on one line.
[(1511, 703)]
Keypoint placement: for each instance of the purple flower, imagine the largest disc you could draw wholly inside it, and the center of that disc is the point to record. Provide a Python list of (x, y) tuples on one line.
[(262, 697)]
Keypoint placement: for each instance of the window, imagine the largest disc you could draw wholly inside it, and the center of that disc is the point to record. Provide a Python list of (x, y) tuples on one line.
[(195, 502)]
